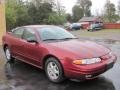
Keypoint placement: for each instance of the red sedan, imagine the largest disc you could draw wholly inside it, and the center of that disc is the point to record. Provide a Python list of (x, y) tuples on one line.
[(58, 52)]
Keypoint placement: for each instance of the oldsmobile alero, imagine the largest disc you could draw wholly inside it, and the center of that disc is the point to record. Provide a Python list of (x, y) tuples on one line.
[(58, 52)]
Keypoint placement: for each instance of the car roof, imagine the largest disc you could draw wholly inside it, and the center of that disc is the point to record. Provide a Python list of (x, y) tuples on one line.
[(35, 26)]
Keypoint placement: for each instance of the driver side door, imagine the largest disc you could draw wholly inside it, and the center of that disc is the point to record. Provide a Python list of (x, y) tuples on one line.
[(31, 50)]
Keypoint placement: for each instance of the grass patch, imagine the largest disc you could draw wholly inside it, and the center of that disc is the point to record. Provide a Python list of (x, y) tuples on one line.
[(105, 33)]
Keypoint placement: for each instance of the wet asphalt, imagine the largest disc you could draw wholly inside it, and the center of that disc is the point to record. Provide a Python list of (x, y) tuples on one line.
[(21, 76)]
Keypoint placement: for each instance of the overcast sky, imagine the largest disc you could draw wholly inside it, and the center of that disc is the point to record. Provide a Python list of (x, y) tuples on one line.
[(96, 7)]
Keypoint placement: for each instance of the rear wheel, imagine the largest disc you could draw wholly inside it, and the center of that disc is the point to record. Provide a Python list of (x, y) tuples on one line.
[(54, 70), (8, 55)]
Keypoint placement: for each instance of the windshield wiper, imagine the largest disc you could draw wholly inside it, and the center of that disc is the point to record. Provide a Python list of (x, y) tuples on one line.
[(50, 39), (59, 39), (68, 38)]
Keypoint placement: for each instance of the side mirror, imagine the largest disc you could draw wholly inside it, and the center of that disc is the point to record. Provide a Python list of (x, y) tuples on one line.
[(32, 41)]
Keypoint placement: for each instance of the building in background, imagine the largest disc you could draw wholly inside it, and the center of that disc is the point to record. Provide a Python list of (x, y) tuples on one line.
[(2, 19), (90, 19), (86, 21)]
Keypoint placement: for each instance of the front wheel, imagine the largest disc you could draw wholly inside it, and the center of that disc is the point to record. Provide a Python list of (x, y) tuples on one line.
[(8, 55), (54, 70)]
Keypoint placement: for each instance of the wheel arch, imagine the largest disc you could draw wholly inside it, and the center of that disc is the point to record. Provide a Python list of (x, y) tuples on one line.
[(4, 46), (49, 56)]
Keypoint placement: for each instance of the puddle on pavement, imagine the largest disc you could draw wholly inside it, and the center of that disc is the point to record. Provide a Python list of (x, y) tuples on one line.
[(21, 76)]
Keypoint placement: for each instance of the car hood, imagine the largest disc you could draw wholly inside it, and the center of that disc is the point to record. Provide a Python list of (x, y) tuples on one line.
[(83, 49)]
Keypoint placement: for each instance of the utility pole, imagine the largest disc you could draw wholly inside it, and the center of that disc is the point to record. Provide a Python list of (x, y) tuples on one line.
[(2, 19)]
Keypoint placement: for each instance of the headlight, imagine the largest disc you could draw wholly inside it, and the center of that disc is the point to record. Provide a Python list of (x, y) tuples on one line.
[(87, 61)]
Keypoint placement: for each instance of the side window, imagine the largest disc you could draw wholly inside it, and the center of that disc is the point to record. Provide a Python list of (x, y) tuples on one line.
[(29, 34), (18, 32)]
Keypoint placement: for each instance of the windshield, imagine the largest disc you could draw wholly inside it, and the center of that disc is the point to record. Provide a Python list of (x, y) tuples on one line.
[(54, 33)]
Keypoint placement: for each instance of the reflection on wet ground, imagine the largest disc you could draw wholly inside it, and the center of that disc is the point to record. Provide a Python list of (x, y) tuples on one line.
[(21, 76), (24, 76)]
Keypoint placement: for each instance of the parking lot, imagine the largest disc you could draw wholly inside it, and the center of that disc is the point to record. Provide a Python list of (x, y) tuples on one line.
[(21, 76)]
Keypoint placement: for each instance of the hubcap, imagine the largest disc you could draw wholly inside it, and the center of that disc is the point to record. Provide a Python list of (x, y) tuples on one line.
[(8, 55), (52, 70)]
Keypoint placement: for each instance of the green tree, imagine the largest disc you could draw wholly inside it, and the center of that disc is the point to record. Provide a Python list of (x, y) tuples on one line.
[(110, 12), (46, 13), (85, 5), (77, 13), (20, 12), (58, 8), (69, 17), (10, 14), (40, 14), (38, 3), (118, 7), (16, 14), (22, 16), (55, 19)]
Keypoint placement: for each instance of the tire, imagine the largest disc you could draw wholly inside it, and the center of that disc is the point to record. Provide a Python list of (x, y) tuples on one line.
[(54, 70), (8, 55)]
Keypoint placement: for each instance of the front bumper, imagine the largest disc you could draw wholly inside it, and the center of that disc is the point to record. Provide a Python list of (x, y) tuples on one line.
[(85, 72)]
